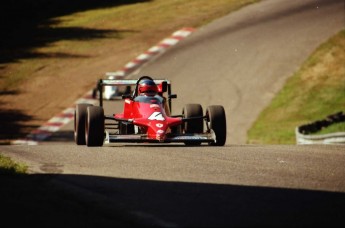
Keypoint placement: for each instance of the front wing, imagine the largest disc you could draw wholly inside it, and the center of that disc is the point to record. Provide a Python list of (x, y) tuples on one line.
[(171, 138)]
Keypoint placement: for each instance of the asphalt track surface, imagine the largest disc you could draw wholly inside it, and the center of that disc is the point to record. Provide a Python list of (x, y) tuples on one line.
[(239, 61), (242, 60)]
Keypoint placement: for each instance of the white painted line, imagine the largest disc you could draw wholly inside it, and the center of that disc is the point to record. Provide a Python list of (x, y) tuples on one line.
[(130, 65), (143, 57), (49, 128), (183, 32), (24, 142), (57, 119), (120, 73), (155, 49), (170, 41), (68, 111)]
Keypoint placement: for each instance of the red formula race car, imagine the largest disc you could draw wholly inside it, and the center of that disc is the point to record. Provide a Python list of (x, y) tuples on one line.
[(146, 118)]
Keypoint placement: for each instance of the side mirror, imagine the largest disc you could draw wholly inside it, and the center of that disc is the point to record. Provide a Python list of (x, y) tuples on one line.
[(172, 96), (164, 86)]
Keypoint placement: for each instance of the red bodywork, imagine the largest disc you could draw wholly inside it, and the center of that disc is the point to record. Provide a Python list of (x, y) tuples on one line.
[(147, 118), (149, 115)]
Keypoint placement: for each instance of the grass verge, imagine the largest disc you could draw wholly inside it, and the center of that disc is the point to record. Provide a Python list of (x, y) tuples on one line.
[(7, 166), (337, 127), (84, 34), (314, 92)]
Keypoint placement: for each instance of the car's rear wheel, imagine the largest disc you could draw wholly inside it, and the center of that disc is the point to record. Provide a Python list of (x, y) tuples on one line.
[(79, 123), (193, 126), (216, 121), (94, 126)]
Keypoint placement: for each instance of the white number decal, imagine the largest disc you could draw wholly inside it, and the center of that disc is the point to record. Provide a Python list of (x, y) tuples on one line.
[(156, 116)]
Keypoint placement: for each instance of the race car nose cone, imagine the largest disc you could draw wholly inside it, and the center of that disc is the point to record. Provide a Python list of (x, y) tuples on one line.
[(160, 136)]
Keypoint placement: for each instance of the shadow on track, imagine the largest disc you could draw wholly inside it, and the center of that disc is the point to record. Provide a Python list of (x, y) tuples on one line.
[(12, 124), (56, 200)]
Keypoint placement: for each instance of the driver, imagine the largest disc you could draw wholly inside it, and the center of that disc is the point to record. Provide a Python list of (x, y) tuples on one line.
[(149, 88)]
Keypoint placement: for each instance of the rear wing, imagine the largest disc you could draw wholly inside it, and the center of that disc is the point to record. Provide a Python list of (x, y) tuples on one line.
[(130, 82), (125, 82)]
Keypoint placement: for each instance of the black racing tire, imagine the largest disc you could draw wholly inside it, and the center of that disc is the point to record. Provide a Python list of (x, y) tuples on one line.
[(216, 120), (193, 126), (94, 126), (79, 123)]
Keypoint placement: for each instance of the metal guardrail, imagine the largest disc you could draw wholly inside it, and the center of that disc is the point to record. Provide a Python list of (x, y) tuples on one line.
[(303, 132)]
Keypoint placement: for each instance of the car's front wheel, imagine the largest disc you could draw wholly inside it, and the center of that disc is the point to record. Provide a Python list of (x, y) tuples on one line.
[(193, 126), (216, 121), (94, 126), (79, 123)]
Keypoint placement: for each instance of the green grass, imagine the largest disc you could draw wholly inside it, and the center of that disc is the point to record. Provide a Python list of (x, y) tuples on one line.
[(8, 166), (336, 127), (132, 21), (314, 92)]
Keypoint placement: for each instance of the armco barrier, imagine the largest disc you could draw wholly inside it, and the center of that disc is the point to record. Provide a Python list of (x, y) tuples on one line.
[(303, 132)]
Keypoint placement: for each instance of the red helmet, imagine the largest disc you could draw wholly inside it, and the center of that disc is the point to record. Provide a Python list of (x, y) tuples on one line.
[(147, 86)]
